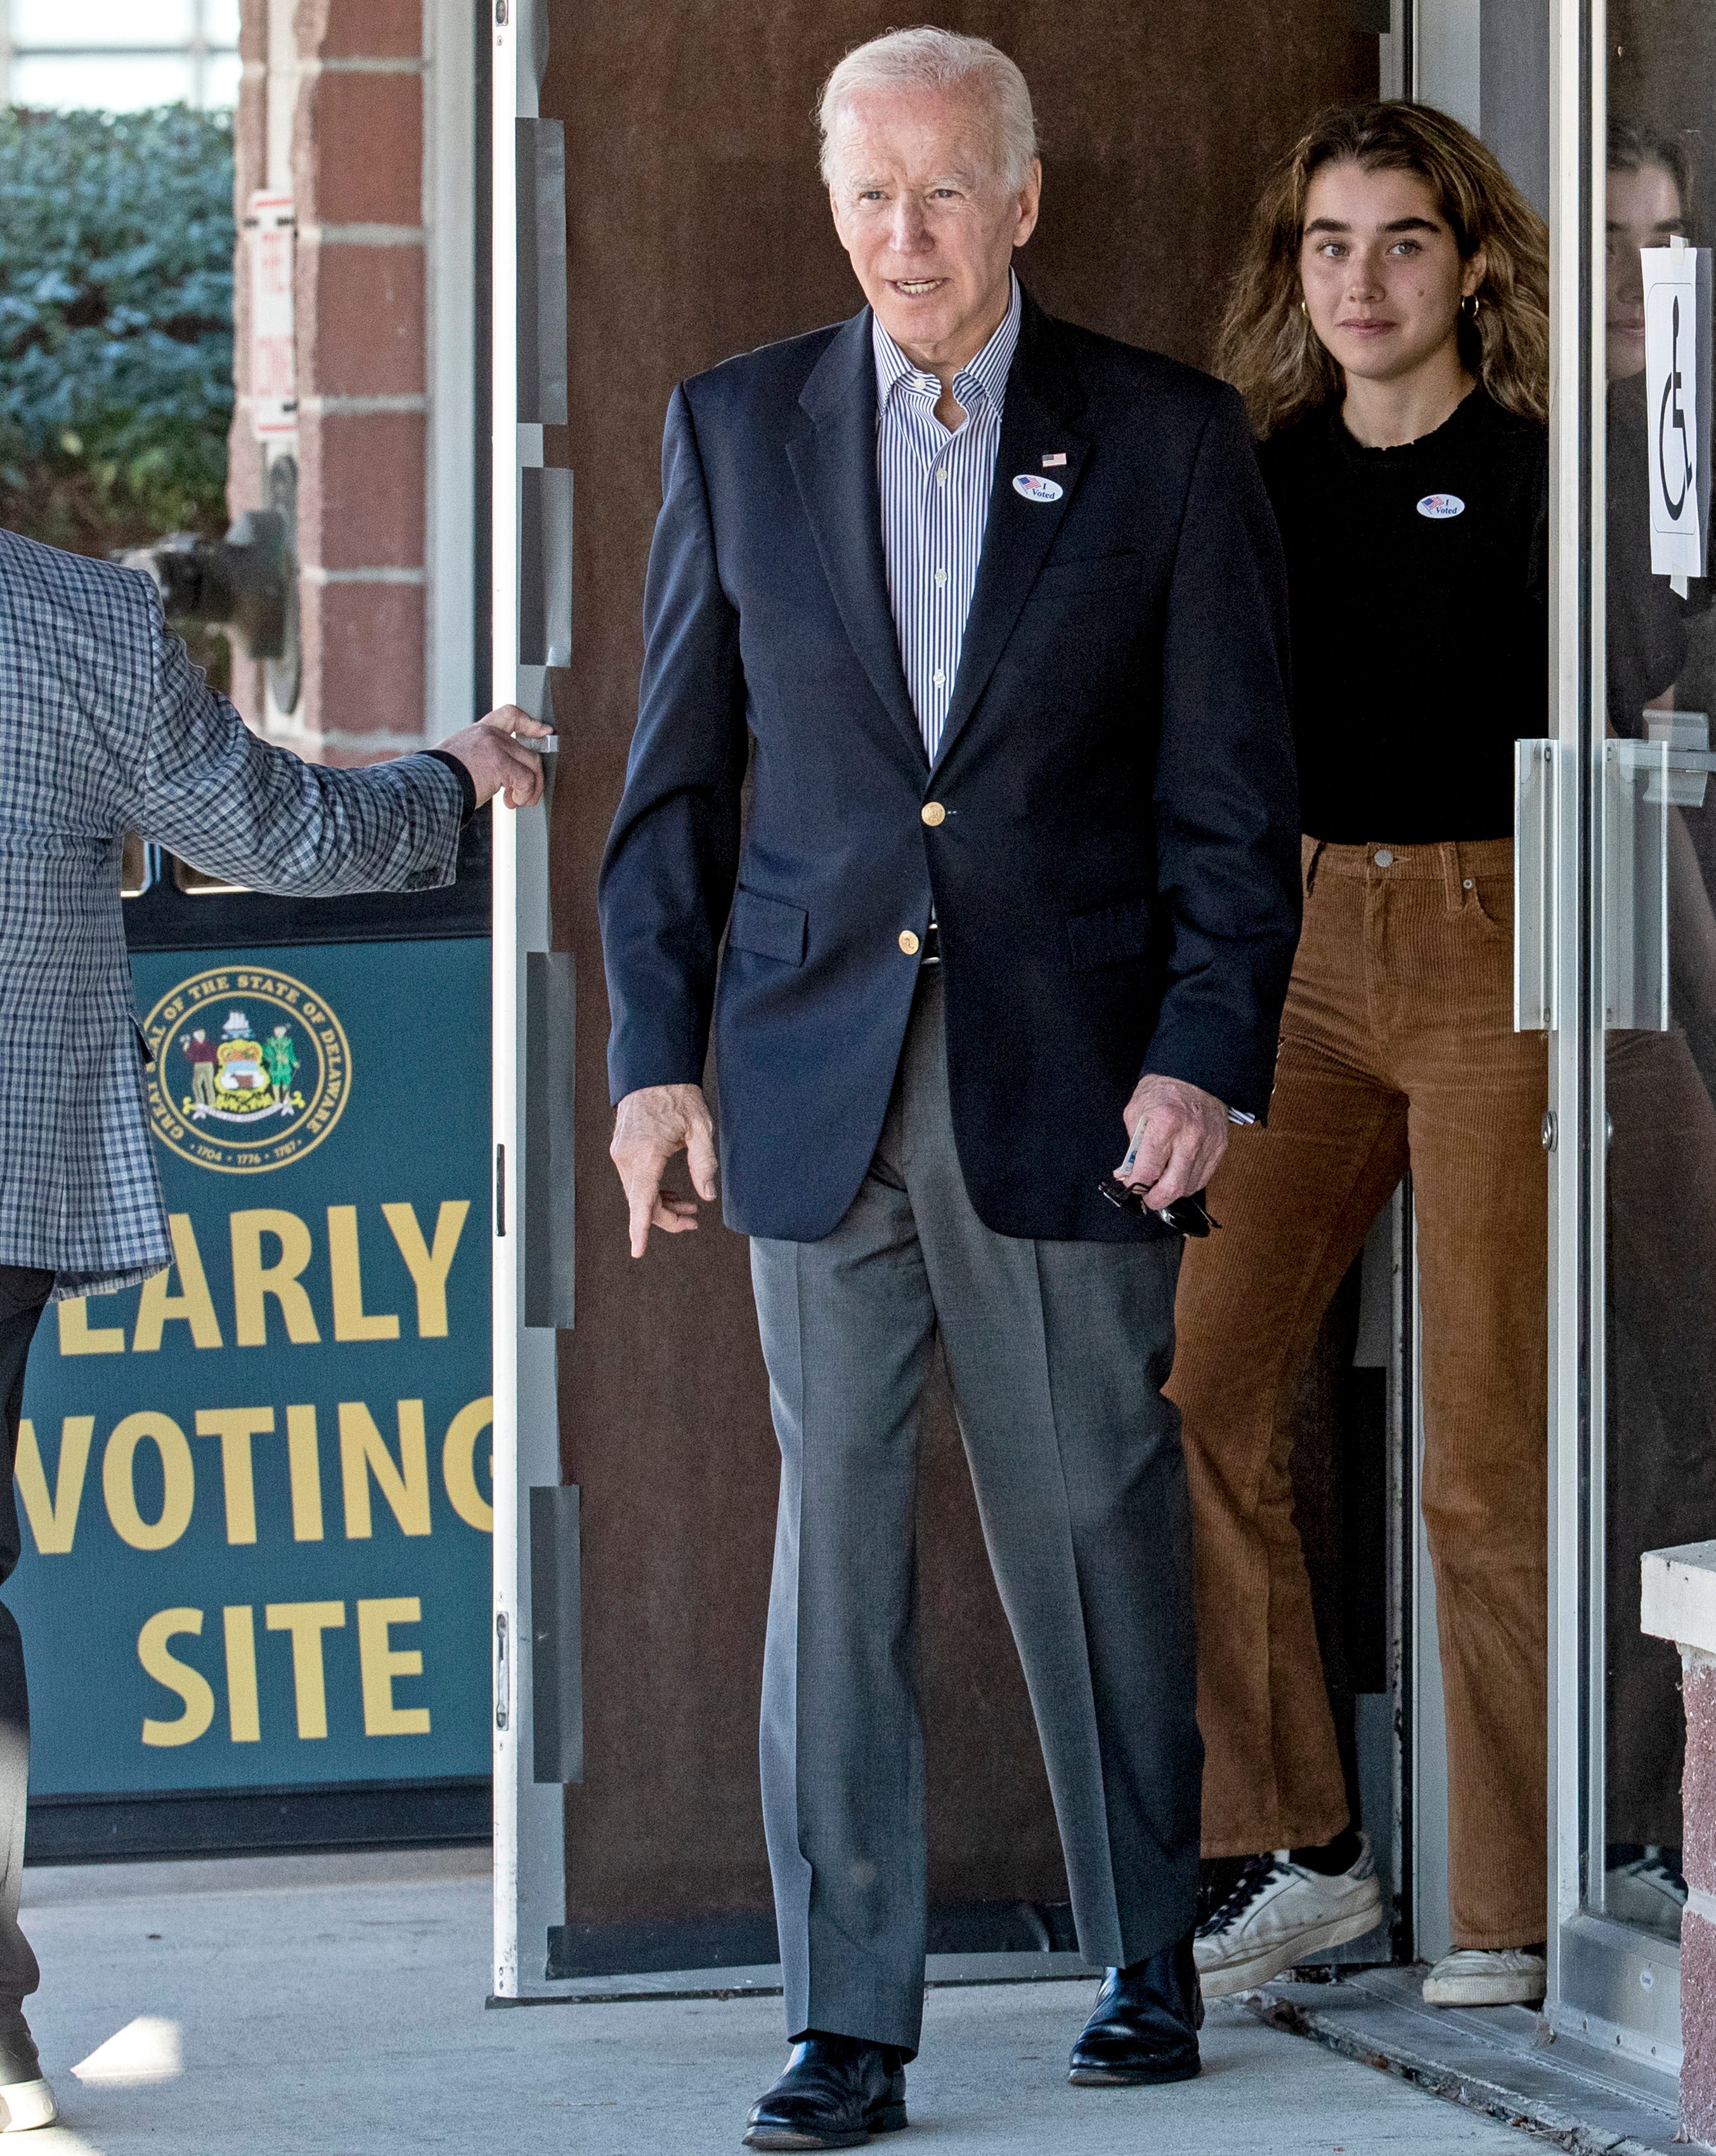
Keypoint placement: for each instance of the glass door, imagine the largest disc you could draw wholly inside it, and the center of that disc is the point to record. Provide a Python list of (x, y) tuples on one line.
[(1633, 935)]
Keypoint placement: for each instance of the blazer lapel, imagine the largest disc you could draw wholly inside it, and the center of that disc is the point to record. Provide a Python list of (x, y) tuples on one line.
[(1019, 531), (833, 456)]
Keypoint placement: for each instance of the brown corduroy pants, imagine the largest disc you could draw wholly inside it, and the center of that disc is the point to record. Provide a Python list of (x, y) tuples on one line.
[(1397, 1050)]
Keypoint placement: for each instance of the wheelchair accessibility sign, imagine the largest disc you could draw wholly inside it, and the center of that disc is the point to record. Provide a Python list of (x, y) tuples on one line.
[(1677, 282)]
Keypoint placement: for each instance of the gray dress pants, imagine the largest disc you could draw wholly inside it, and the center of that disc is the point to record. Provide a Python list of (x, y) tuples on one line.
[(1058, 1351)]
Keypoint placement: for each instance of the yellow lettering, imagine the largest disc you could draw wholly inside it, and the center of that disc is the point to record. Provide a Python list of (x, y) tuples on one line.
[(76, 1336), (429, 1268), (380, 1663), (244, 1713), (191, 1685), (235, 1427), (306, 1622), (178, 1492), (458, 1465), (195, 1306), (363, 1452), (252, 1279), (304, 1458), (53, 1521), (350, 1322)]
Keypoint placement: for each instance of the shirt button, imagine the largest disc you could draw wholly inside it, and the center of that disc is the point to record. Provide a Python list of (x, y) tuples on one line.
[(933, 813), (941, 476), (1385, 859), (941, 576), (908, 942), (938, 677)]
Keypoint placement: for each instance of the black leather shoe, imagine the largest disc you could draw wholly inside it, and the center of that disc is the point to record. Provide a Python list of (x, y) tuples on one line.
[(836, 2091), (1144, 2026)]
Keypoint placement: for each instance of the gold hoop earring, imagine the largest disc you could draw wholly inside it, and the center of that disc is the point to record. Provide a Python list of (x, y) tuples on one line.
[(1472, 300), (1304, 310)]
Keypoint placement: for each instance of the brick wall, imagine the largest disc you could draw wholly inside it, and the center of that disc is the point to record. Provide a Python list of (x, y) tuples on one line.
[(357, 180), (1698, 1934)]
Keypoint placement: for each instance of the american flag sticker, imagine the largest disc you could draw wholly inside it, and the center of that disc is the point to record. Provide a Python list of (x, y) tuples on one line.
[(1059, 457)]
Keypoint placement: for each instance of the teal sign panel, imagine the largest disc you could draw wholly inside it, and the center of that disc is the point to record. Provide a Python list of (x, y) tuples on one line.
[(255, 1492)]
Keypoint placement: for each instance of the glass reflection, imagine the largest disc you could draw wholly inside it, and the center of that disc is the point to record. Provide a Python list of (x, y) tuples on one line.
[(1660, 850)]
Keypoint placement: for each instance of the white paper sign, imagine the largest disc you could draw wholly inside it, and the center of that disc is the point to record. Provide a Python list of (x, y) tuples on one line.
[(273, 227), (1677, 282)]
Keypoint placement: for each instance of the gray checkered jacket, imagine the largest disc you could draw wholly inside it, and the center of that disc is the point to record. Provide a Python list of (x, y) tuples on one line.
[(106, 725)]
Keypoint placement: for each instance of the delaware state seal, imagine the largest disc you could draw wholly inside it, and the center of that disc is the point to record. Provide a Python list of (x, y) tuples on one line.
[(251, 1070)]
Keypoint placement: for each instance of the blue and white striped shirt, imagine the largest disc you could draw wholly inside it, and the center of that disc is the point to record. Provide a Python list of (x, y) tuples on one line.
[(935, 502)]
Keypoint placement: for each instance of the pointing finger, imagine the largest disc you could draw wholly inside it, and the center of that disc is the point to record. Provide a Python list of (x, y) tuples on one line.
[(642, 1189)]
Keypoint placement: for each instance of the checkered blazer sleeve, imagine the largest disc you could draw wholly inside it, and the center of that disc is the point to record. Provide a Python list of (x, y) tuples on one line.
[(252, 812)]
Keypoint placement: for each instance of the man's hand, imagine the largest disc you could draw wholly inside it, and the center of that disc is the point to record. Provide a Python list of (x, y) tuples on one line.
[(489, 752), (1178, 1134), (650, 1127)]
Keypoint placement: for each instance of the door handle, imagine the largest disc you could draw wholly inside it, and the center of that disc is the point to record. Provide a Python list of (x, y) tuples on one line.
[(542, 269), (544, 567), (1642, 781), (549, 1196), (1537, 768)]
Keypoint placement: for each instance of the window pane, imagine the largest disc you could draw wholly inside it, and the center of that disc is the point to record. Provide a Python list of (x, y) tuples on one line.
[(102, 22), (220, 81), (1658, 1485), (113, 85), (220, 22)]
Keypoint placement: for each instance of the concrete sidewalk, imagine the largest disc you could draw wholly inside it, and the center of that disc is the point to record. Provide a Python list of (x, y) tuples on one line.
[(334, 2005)]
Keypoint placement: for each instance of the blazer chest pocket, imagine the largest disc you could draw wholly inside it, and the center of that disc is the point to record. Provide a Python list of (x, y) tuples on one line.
[(1095, 573), (1111, 935), (769, 926)]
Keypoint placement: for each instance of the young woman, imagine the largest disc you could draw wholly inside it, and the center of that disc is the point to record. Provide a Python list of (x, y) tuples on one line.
[(1389, 331)]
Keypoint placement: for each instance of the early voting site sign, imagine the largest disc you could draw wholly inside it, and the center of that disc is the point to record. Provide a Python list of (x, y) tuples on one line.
[(255, 1493)]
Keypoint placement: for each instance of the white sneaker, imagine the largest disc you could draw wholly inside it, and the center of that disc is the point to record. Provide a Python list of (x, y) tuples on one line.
[(1486, 1976), (1645, 1892), (25, 2105), (1279, 1913)]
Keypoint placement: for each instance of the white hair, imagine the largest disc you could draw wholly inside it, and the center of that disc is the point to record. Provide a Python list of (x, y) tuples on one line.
[(928, 58)]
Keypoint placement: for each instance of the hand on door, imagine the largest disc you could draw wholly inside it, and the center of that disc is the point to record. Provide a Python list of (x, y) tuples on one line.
[(489, 752), (651, 1126)]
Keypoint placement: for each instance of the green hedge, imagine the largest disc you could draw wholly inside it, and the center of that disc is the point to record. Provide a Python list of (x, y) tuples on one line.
[(115, 321)]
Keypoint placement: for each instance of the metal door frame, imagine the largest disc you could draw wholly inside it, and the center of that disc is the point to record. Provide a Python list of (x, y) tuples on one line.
[(1608, 1986), (529, 1861)]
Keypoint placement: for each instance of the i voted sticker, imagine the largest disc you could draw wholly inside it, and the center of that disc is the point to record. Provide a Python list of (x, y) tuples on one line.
[(1441, 506), (1036, 489)]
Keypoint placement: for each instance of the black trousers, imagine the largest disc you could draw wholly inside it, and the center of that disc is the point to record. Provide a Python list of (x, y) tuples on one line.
[(23, 1295)]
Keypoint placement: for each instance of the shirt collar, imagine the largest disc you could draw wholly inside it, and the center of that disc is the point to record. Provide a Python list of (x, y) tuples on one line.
[(985, 376)]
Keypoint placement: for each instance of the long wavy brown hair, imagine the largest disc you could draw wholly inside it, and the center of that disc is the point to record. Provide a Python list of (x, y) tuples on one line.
[(1268, 349)]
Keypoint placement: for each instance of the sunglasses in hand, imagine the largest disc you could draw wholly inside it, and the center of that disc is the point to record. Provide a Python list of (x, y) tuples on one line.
[(1186, 1216)]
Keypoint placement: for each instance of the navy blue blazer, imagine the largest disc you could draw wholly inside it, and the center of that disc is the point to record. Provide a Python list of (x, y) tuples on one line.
[(1115, 878)]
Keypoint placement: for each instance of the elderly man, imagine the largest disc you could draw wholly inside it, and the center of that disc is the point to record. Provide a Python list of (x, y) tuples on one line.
[(106, 727), (993, 608)]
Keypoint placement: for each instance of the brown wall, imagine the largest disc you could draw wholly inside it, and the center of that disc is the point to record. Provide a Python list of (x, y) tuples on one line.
[(696, 229)]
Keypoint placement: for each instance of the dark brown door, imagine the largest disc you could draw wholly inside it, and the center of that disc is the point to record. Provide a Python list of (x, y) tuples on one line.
[(697, 229)]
